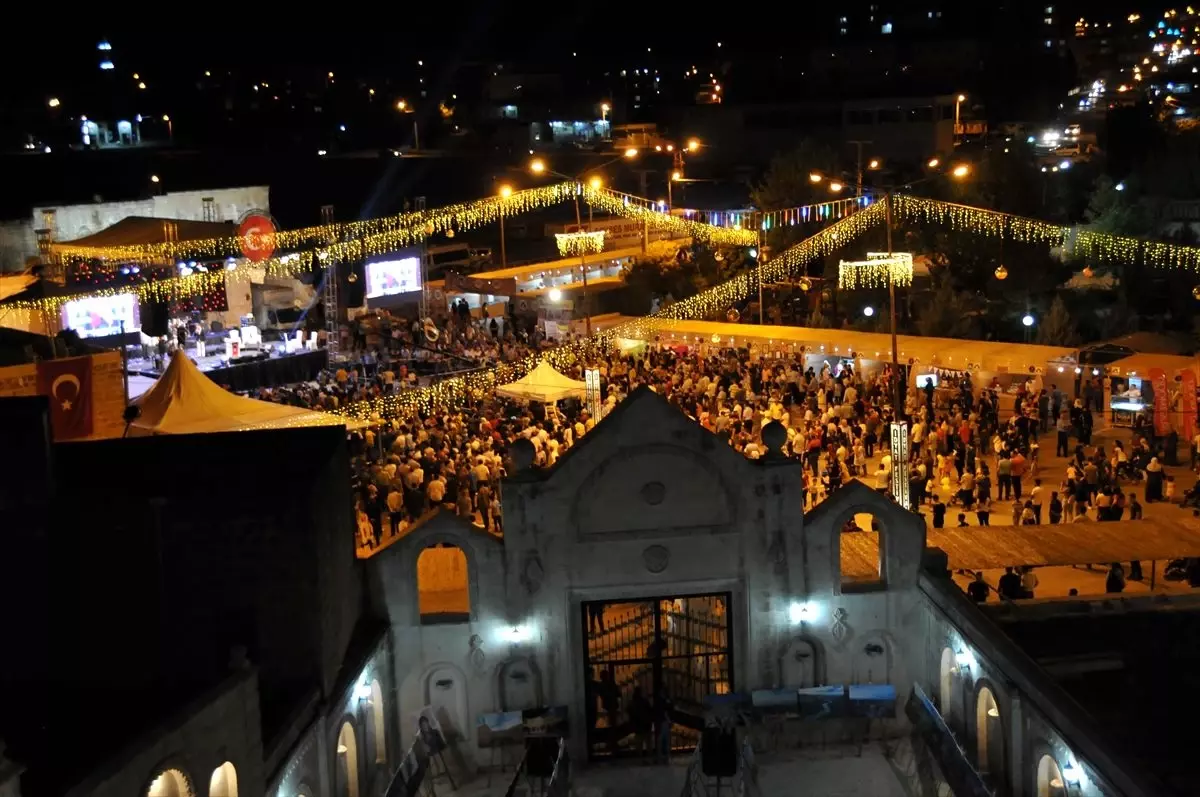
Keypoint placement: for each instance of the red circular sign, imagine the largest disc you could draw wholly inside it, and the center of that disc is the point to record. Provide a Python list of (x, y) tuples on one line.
[(257, 234)]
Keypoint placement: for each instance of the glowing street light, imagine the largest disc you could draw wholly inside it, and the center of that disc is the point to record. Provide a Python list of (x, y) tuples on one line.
[(596, 183), (537, 166), (505, 191), (868, 311), (401, 105), (815, 177), (555, 294), (693, 144), (873, 164), (1027, 320), (676, 175), (631, 153), (960, 171), (835, 187), (933, 163), (154, 178), (53, 102)]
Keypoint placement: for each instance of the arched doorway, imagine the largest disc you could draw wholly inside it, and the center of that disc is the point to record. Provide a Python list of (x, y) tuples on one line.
[(946, 683), (376, 708), (347, 762), (988, 736), (1049, 779), (170, 783), (443, 585), (224, 781)]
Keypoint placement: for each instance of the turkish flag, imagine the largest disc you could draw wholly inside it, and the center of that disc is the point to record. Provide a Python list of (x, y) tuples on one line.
[(68, 385)]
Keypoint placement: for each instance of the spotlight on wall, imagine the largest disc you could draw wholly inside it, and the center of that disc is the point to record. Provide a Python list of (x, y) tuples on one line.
[(515, 633), (802, 612)]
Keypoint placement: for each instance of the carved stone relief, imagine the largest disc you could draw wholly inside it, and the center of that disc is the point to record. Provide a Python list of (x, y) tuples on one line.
[(476, 657), (532, 572), (656, 558)]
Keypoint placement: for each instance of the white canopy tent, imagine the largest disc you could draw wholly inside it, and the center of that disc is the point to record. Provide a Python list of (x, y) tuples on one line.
[(543, 384), (185, 401)]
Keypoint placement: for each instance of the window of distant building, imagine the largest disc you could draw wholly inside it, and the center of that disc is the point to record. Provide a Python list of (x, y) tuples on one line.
[(886, 28)]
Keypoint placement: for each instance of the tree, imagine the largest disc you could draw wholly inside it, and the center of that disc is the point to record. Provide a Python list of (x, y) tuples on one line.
[(947, 314), (787, 184), (1057, 328), (1115, 211)]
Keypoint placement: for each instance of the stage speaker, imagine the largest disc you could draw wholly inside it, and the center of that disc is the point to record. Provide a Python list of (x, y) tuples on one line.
[(540, 754), (718, 753), (154, 318)]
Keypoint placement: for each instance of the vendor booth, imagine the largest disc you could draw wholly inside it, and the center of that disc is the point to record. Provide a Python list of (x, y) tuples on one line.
[(947, 361), (1130, 397)]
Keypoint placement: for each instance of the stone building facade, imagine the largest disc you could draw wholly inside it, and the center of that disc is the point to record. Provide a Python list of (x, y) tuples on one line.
[(648, 510)]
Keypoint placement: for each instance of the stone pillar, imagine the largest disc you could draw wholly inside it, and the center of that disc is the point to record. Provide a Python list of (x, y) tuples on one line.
[(1015, 743)]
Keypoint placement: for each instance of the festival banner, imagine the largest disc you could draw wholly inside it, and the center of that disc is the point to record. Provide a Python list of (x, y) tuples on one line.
[(1187, 403), (1162, 402), (457, 283), (68, 384)]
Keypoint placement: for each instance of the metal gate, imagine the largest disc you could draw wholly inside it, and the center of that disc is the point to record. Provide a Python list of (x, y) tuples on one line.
[(677, 647)]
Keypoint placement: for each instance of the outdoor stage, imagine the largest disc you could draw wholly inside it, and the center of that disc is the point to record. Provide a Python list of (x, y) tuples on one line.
[(266, 367)]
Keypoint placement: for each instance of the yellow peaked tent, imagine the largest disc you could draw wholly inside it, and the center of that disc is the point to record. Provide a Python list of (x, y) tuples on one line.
[(185, 401), (544, 384)]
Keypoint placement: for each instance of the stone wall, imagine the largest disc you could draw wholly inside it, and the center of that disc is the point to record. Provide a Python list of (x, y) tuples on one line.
[(222, 726), (650, 505), (967, 663)]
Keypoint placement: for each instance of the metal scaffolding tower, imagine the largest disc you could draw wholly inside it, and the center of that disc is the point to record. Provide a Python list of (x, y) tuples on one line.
[(330, 294)]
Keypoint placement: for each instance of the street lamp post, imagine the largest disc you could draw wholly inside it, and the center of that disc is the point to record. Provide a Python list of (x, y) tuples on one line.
[(538, 166), (858, 183), (505, 193)]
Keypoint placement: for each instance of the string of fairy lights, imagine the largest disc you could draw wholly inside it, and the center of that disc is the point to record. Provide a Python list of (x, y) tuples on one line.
[(412, 228), (582, 242), (706, 304), (1086, 244)]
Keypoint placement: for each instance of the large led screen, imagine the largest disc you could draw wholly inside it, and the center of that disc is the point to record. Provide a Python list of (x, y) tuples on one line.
[(389, 277), (99, 316)]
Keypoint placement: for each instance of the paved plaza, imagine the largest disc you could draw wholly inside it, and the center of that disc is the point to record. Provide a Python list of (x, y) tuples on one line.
[(1058, 581)]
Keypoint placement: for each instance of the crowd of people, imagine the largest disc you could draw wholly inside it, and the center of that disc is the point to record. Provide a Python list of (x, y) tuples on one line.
[(968, 458)]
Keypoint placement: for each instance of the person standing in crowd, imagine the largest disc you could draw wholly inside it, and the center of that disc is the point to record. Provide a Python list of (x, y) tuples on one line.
[(978, 589), (1036, 499), (1009, 587)]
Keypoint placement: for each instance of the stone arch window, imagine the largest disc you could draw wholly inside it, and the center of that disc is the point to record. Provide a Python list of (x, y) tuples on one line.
[(1050, 781), (861, 550), (347, 762), (376, 709), (223, 782), (443, 584), (946, 683), (170, 783), (989, 735)]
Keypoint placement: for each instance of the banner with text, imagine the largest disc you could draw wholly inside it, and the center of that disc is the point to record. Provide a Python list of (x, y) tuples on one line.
[(457, 283)]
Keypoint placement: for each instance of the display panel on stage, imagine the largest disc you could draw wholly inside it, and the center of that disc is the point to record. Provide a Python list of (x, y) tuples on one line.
[(392, 277), (101, 316)]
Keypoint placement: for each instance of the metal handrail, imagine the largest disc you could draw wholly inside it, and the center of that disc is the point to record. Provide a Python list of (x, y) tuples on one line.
[(560, 779)]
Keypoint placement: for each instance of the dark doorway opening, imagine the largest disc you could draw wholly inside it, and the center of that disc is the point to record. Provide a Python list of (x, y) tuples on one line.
[(650, 659)]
